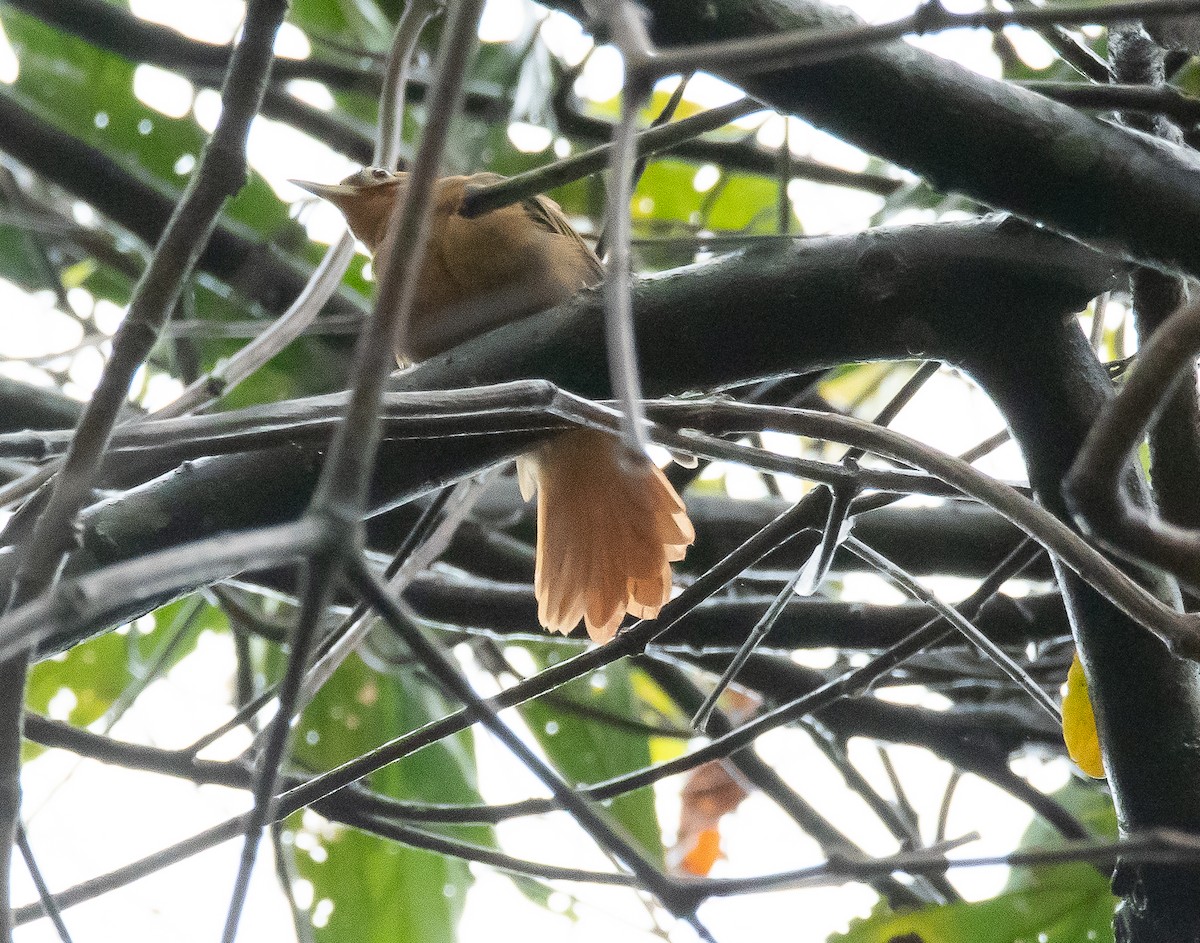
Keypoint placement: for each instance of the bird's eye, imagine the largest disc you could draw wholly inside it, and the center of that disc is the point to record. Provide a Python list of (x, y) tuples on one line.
[(379, 173)]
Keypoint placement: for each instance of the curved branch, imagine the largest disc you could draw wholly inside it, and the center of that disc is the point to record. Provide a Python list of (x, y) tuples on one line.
[(1093, 487)]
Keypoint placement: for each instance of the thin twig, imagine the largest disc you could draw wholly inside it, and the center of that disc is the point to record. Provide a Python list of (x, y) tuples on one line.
[(285, 870), (811, 573), (48, 903), (228, 374), (943, 818), (972, 633), (319, 574), (1161, 846), (1099, 309), (340, 497), (242, 716), (639, 166), (902, 803), (806, 513), (1093, 488), (624, 20), (315, 789), (757, 634), (1178, 630), (759, 774), (654, 140), (1163, 100), (43, 617), (1071, 49), (461, 500), (927, 636), (219, 174), (328, 274), (412, 21)]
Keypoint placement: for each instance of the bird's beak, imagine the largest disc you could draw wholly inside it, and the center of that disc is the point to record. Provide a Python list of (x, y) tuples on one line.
[(333, 192)]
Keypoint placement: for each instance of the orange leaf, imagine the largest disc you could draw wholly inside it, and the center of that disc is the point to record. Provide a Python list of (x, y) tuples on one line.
[(709, 793), (704, 853)]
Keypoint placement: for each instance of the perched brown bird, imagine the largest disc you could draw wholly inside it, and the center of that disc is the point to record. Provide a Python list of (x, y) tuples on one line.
[(607, 530)]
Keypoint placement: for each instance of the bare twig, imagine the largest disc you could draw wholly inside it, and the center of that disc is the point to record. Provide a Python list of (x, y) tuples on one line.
[(956, 619), (1176, 629), (42, 617), (435, 662), (812, 572), (807, 513), (328, 275), (654, 140), (851, 682), (285, 868), (459, 505), (1163, 100), (624, 20), (313, 790), (944, 808), (48, 903), (1072, 49)]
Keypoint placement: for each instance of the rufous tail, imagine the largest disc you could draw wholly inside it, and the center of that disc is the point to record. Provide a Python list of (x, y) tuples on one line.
[(607, 533)]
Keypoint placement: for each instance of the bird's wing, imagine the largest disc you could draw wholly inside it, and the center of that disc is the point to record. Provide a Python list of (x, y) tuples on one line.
[(545, 214)]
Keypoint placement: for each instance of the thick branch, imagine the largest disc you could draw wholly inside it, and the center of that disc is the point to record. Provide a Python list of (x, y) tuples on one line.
[(1000, 144), (955, 291), (23, 406), (1050, 387)]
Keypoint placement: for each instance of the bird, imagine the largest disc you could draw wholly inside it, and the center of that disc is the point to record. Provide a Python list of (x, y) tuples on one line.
[(609, 525)]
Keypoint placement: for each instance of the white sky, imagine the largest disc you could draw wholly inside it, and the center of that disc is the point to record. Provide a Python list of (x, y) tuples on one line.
[(87, 818)]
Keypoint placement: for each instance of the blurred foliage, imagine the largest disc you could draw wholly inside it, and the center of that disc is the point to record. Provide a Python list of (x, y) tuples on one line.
[(92, 678), (381, 890), (571, 727), (1066, 903)]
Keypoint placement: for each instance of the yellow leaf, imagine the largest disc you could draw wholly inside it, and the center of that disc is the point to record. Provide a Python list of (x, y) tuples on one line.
[(1079, 723), (75, 275)]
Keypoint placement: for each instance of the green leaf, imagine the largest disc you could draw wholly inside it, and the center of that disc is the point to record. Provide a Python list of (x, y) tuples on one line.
[(18, 259), (666, 194), (94, 674), (746, 203), (89, 93), (1052, 912), (383, 890), (589, 750), (1065, 903)]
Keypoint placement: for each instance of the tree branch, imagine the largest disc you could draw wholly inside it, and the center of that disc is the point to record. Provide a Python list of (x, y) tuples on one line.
[(970, 134)]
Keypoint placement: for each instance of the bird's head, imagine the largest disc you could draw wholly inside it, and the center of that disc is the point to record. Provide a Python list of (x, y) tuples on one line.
[(365, 198)]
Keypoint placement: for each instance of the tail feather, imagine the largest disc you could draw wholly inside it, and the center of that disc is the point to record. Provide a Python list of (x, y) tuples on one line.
[(607, 534)]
